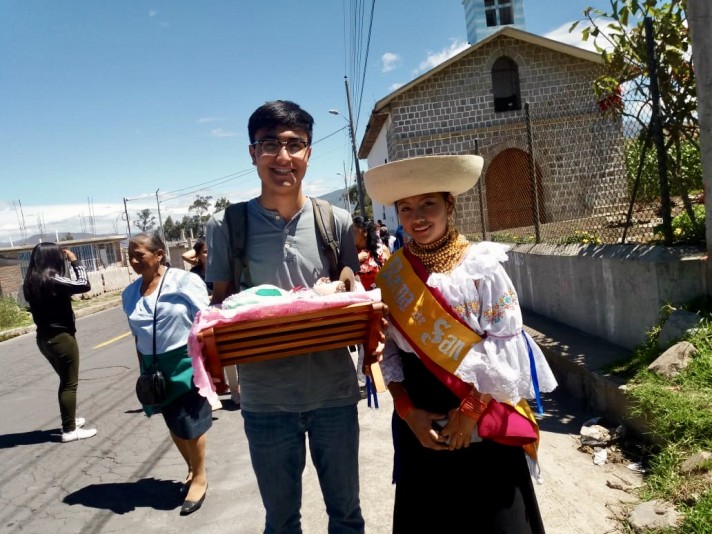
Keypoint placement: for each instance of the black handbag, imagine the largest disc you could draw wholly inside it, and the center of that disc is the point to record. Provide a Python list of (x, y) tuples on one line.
[(151, 384)]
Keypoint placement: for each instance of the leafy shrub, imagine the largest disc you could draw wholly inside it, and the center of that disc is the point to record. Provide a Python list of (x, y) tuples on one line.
[(685, 231), (506, 237), (11, 315), (581, 236)]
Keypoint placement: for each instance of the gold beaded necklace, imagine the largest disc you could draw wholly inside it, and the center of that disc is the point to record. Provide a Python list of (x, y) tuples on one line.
[(443, 255)]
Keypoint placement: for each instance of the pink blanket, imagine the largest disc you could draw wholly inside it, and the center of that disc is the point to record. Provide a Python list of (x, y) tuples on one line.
[(271, 307)]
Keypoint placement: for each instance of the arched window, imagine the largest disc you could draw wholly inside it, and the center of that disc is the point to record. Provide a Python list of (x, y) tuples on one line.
[(505, 85)]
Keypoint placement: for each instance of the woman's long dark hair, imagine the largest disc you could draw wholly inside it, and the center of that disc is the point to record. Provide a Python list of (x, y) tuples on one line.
[(372, 237), (198, 247), (46, 262)]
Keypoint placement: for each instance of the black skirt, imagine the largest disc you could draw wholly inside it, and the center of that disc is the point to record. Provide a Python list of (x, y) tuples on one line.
[(483, 488), (188, 416)]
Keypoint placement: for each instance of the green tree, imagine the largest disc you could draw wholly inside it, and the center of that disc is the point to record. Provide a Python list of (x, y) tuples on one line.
[(145, 220), (353, 198), (192, 223), (171, 229), (67, 237), (201, 208), (619, 36), (201, 205), (221, 204)]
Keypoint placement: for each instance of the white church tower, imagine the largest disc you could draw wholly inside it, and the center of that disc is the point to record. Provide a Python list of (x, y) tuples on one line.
[(484, 17)]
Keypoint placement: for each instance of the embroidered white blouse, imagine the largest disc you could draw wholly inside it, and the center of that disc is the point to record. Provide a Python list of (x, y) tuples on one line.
[(481, 292)]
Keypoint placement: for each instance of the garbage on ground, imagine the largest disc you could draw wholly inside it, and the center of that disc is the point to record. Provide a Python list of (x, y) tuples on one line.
[(599, 440)]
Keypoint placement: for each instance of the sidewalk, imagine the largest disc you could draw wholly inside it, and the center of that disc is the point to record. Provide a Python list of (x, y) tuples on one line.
[(580, 362)]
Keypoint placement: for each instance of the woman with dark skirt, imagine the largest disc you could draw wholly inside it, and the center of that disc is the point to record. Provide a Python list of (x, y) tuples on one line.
[(160, 307), (458, 363), (49, 290)]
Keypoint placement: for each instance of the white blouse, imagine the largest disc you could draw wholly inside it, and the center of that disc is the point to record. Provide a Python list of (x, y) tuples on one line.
[(481, 292)]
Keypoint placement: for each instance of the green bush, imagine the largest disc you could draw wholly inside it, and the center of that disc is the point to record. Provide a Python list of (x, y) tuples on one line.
[(581, 236), (11, 315), (685, 231), (506, 237)]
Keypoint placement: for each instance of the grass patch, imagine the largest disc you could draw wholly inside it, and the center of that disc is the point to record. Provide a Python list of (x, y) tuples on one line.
[(11, 315), (679, 414)]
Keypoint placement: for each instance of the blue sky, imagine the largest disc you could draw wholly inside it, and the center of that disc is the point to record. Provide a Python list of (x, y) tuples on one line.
[(101, 101)]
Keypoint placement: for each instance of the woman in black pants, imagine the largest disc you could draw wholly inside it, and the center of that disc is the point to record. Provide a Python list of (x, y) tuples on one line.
[(49, 292)]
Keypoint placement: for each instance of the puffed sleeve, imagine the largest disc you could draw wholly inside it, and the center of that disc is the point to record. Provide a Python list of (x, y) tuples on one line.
[(501, 364), (391, 365)]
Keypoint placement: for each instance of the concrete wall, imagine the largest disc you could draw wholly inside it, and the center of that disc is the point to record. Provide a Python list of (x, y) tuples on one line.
[(611, 291)]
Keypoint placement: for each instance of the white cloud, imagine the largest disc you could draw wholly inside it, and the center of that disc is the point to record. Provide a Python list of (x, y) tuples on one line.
[(205, 120), (395, 86), (219, 132), (435, 58), (390, 61), (153, 13), (574, 38)]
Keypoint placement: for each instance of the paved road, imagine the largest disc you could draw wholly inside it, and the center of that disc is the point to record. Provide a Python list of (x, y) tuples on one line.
[(126, 478)]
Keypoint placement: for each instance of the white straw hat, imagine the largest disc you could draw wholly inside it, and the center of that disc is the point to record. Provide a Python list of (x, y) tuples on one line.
[(427, 174)]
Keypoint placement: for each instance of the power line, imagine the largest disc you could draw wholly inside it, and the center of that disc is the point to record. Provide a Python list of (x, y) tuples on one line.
[(228, 178)]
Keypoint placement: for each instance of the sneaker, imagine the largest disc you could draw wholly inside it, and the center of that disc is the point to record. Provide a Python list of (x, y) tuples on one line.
[(235, 397), (79, 422), (77, 434)]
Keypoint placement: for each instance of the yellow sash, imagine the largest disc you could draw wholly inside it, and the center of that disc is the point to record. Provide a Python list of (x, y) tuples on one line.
[(426, 323)]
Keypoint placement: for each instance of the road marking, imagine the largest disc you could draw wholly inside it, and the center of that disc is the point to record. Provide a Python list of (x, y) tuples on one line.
[(105, 343)]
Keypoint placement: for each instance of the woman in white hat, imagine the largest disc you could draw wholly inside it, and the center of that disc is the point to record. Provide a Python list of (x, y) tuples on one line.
[(457, 361)]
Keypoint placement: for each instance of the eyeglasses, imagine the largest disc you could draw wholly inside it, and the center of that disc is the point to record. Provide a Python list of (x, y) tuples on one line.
[(272, 147)]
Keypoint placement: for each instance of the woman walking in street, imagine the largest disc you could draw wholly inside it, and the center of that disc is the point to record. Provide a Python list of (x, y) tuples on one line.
[(160, 307), (49, 292), (457, 362)]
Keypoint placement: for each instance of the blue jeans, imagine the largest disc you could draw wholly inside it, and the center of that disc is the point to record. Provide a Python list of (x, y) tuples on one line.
[(278, 453)]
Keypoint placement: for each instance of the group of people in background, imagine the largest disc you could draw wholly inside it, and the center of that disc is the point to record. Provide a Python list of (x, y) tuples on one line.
[(444, 471)]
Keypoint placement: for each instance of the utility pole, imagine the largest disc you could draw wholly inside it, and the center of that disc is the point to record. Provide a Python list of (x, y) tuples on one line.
[(359, 178), (162, 232), (128, 223)]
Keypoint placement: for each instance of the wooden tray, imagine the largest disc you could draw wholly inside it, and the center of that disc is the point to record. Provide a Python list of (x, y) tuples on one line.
[(289, 335)]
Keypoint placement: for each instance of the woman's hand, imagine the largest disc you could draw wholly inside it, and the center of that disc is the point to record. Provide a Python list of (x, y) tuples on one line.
[(362, 256), (69, 254), (458, 430), (421, 424)]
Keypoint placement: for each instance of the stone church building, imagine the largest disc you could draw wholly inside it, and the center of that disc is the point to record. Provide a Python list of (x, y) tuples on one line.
[(526, 104)]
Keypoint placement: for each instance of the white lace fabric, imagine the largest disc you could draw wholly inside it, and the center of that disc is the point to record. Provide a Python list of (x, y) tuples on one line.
[(483, 295)]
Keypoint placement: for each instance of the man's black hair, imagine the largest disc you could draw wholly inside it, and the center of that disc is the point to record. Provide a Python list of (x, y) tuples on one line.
[(276, 113)]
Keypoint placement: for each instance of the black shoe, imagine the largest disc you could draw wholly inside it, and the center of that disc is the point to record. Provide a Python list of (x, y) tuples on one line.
[(191, 506), (183, 490)]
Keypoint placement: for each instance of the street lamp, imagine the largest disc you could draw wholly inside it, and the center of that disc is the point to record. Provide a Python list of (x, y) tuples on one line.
[(350, 120)]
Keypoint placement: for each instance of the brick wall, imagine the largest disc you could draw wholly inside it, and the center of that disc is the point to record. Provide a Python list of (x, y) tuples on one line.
[(578, 151)]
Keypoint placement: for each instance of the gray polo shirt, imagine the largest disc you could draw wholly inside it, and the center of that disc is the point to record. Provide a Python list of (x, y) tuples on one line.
[(288, 254)]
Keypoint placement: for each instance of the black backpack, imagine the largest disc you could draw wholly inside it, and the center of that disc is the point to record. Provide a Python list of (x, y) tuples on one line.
[(236, 220)]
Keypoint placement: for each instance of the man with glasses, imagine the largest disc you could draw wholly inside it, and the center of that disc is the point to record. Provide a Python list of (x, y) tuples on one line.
[(284, 400)]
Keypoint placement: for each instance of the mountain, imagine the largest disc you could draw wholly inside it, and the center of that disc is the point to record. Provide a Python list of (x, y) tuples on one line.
[(36, 238)]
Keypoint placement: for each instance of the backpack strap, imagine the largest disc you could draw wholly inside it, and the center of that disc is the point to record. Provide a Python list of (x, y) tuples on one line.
[(326, 224), (236, 220)]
